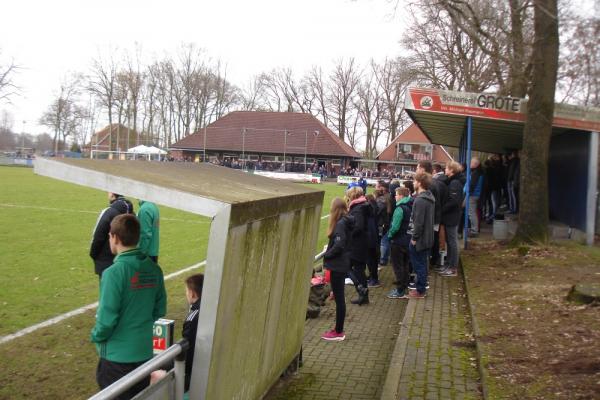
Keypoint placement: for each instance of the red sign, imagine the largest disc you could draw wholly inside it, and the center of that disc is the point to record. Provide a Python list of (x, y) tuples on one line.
[(492, 106)]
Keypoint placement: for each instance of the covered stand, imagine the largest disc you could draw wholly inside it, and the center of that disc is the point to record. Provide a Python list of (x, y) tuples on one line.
[(492, 123)]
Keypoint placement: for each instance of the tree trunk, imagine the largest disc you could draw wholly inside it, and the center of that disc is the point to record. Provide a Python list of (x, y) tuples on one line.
[(533, 217)]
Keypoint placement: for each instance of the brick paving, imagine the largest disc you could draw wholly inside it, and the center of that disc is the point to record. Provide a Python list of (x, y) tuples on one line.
[(394, 349), (435, 355), (356, 367)]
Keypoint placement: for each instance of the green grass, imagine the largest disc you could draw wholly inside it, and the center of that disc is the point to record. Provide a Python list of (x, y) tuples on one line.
[(45, 271)]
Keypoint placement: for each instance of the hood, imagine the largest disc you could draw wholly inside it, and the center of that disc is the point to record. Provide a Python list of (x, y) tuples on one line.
[(441, 177), (405, 200), (360, 200), (349, 221), (460, 177), (426, 195), (121, 205)]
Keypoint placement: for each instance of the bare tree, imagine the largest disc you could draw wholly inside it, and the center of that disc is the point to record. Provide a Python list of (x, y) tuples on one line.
[(534, 214), (580, 68), (63, 114), (343, 82), (102, 83), (316, 90), (369, 104), (7, 85)]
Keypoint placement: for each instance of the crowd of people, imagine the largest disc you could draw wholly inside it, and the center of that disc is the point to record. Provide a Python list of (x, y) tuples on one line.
[(415, 224)]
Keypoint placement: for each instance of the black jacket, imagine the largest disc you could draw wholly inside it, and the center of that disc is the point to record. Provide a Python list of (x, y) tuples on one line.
[(360, 210), (383, 218), (440, 192), (337, 256), (190, 327), (100, 247), (421, 220), (451, 209)]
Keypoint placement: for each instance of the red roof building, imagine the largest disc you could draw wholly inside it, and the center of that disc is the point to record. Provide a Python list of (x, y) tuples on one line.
[(410, 147), (119, 138), (255, 136)]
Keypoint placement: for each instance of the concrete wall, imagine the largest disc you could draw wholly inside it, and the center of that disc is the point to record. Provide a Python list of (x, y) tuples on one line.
[(260, 300)]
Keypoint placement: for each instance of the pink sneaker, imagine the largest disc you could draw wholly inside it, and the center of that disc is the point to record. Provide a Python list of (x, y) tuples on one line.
[(414, 294), (333, 336)]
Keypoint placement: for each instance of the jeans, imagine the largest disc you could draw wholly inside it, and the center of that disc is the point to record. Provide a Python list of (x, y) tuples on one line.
[(512, 197), (452, 246), (337, 287), (385, 249), (435, 250), (419, 263), (473, 213), (400, 265)]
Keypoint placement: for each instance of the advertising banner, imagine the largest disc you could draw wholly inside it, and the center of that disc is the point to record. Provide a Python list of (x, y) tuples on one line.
[(493, 106), (162, 335)]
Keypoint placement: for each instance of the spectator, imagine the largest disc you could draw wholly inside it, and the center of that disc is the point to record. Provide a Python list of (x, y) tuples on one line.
[(373, 243), (132, 297), (513, 176), (383, 219), (421, 231), (100, 248), (399, 241), (149, 218), (451, 212), (360, 210), (440, 193), (475, 188), (337, 260)]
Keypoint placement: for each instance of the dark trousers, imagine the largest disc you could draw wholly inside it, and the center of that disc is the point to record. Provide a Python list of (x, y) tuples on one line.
[(373, 263), (108, 372), (400, 265), (357, 274), (337, 287), (435, 250), (419, 263)]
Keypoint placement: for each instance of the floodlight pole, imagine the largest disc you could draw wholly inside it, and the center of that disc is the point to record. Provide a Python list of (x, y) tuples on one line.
[(244, 149), (285, 133), (204, 147), (305, 145)]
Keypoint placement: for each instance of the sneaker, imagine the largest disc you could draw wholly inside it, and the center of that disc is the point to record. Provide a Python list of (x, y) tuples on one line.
[(449, 272), (372, 283), (440, 268), (413, 294), (348, 281), (413, 286), (397, 294), (333, 336)]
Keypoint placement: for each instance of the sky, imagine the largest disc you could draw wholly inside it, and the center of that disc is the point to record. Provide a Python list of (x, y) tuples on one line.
[(50, 39)]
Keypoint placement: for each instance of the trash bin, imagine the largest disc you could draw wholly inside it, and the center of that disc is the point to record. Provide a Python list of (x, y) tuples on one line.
[(500, 231)]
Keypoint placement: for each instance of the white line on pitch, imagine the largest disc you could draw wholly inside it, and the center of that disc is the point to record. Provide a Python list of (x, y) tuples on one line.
[(325, 216), (91, 212), (81, 310)]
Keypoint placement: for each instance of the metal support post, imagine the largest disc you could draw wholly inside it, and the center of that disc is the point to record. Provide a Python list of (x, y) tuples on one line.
[(468, 184)]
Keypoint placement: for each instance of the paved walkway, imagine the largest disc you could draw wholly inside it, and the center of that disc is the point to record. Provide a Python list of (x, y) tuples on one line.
[(435, 356), (394, 349)]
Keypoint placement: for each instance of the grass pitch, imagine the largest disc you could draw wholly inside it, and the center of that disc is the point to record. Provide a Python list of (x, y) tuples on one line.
[(46, 227)]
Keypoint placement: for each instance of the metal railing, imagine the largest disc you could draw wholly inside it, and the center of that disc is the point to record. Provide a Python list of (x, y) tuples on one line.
[(176, 352)]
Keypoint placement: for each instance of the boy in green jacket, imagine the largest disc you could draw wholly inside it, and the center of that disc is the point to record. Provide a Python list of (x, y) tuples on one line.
[(149, 218), (132, 297)]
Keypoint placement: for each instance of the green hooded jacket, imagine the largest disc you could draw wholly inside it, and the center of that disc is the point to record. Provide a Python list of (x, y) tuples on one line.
[(149, 218), (132, 297), (397, 217)]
